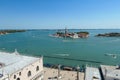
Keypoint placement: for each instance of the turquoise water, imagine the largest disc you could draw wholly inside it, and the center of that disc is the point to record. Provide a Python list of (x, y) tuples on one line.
[(38, 42)]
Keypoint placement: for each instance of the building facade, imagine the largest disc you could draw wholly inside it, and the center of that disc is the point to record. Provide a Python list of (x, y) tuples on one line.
[(19, 67)]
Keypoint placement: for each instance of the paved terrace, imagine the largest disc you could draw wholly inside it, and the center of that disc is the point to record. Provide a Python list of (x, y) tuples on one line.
[(65, 75), (92, 73), (111, 72)]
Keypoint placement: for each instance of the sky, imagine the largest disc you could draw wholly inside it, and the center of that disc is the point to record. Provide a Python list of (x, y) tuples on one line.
[(57, 14)]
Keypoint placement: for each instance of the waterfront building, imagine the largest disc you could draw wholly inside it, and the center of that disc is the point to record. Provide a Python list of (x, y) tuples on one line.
[(92, 73), (110, 72), (14, 66)]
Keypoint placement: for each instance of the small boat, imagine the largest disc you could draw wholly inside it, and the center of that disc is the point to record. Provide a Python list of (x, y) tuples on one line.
[(112, 55)]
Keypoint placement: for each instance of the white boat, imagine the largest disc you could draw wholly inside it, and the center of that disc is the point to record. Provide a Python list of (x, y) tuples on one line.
[(112, 55)]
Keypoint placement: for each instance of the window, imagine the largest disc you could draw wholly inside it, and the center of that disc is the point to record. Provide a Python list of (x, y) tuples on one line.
[(29, 73), (37, 68), (18, 78), (14, 76), (19, 73)]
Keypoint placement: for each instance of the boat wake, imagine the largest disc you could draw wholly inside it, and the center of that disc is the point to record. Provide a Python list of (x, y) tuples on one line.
[(62, 54), (112, 55), (54, 36), (12, 41), (69, 41), (116, 40)]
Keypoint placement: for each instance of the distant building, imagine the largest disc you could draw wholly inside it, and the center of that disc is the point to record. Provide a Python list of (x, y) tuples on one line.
[(110, 72), (73, 35), (18, 67), (92, 74)]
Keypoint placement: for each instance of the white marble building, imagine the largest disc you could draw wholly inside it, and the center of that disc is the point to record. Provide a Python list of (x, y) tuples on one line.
[(18, 67)]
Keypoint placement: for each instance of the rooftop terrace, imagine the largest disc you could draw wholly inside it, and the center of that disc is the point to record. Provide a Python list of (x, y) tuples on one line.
[(111, 72), (92, 74)]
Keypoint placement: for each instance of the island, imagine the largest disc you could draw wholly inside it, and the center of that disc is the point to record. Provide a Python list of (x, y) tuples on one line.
[(3, 32), (66, 34), (113, 34)]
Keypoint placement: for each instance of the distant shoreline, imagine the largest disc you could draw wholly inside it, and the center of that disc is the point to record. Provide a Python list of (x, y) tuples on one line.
[(115, 34), (3, 32)]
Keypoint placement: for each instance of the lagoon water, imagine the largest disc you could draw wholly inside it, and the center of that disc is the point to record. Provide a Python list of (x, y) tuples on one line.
[(64, 51)]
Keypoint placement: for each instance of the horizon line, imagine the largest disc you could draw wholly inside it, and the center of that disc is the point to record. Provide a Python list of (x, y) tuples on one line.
[(57, 28)]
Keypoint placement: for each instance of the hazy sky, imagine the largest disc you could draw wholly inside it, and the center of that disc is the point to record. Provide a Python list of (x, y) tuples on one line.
[(52, 14)]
